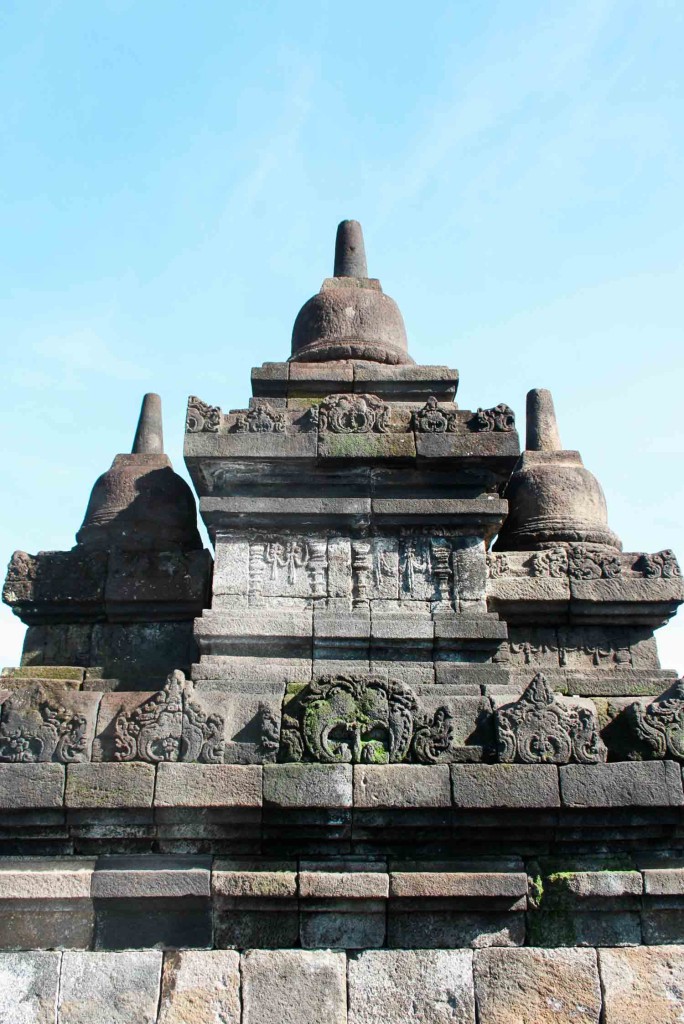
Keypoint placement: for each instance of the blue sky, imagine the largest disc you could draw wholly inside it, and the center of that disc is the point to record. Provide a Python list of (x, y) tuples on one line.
[(173, 173)]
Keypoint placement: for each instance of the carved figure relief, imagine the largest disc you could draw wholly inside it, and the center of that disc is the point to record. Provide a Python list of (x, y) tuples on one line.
[(169, 726), (541, 729), (660, 726), (497, 565), (46, 731), (261, 420), (433, 420), (500, 418), (662, 563), (362, 719), (353, 414), (202, 417), (288, 556)]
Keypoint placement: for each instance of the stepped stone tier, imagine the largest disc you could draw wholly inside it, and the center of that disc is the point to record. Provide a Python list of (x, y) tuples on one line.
[(402, 750)]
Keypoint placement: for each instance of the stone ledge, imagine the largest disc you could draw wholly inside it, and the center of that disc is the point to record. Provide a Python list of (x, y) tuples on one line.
[(622, 784), (401, 785), (505, 786)]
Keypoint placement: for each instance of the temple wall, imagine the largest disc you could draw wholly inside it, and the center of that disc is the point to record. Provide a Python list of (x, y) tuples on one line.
[(435, 986)]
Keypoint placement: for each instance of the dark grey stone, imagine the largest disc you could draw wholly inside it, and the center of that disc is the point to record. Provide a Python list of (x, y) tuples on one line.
[(622, 784)]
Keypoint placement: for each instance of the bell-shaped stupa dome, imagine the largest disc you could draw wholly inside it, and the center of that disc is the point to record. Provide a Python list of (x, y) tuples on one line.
[(351, 317), (552, 499), (140, 504)]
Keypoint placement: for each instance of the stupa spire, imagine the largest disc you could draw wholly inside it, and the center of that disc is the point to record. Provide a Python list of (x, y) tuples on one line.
[(149, 434), (542, 428), (350, 251)]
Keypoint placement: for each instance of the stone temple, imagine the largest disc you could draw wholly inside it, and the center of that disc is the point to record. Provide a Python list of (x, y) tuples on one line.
[(400, 750)]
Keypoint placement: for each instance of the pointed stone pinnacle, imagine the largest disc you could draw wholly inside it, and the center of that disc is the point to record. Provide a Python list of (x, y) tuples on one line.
[(542, 429), (149, 437), (350, 252)]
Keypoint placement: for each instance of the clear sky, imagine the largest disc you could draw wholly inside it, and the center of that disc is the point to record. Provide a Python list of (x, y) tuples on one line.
[(172, 175)]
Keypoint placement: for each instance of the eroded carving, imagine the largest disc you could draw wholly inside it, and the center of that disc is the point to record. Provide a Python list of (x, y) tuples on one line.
[(585, 564), (497, 566), (354, 414), (202, 417), (541, 729), (362, 720), (500, 418), (169, 726), (433, 420), (42, 731), (262, 419), (660, 726), (553, 562), (662, 563)]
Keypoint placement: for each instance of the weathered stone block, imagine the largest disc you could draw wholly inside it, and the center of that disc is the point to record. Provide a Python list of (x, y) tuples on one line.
[(109, 785), (208, 785), (308, 785), (266, 879), (151, 876), (433, 987), (622, 784), (157, 585), (159, 923), (252, 922), (443, 879), (505, 785), (53, 923), (343, 880), (200, 987), (31, 785), (35, 878), (342, 924), (109, 988), (56, 586), (537, 986), (29, 983), (642, 986), (311, 989), (401, 785), (410, 925)]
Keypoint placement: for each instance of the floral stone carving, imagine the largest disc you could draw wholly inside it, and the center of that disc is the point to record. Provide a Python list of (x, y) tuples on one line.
[(202, 417), (660, 726), (541, 729), (585, 564), (500, 418), (352, 414), (43, 731), (263, 419), (362, 719), (169, 726), (433, 420)]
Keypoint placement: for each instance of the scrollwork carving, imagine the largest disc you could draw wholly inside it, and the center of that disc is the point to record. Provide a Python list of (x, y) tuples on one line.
[(541, 729), (43, 732), (202, 417), (170, 726), (354, 414), (433, 420), (500, 418), (262, 419), (553, 563), (661, 564), (586, 564), (362, 720), (660, 726)]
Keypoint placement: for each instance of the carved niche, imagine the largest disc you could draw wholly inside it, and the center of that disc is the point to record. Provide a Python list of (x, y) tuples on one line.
[(433, 420), (202, 417), (541, 729), (41, 730), (500, 418), (170, 726), (352, 414), (262, 419), (660, 726), (362, 719)]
